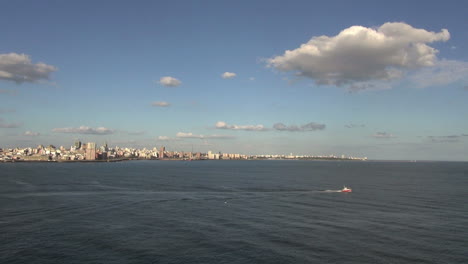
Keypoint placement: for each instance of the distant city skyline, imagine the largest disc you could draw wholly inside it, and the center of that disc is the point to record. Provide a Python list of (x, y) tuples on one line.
[(91, 152), (376, 79)]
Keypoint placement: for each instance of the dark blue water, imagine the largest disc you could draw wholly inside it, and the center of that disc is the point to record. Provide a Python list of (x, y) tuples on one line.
[(233, 212)]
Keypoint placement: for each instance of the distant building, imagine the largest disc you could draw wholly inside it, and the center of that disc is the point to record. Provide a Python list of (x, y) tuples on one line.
[(103, 156), (161, 152), (77, 144), (212, 155), (91, 151)]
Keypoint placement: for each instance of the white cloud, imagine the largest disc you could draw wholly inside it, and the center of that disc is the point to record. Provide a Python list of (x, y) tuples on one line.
[(359, 54), (169, 81), (161, 104), (383, 135), (252, 79), (228, 75), (166, 138), (31, 134), (294, 128), (442, 73), (223, 125), (19, 68), (191, 135), (84, 130)]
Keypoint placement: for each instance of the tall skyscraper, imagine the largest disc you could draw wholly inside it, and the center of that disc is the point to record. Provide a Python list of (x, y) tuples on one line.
[(91, 151)]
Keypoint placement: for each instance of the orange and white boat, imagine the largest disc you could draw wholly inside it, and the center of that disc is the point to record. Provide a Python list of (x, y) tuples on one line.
[(346, 189)]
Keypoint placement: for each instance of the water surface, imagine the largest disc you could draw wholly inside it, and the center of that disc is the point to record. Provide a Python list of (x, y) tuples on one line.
[(233, 212)]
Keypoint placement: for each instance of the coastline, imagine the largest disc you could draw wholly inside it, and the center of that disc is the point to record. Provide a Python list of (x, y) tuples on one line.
[(168, 159)]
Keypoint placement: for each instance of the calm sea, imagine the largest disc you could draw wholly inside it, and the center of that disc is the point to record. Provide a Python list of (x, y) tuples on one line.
[(234, 212)]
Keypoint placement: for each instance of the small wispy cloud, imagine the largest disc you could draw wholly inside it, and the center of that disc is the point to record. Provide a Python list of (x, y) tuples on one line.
[(85, 130), (354, 125), (447, 139), (4, 124), (228, 75), (223, 125), (160, 104), (383, 135), (368, 86), (31, 134), (465, 88), (169, 81), (166, 138), (191, 135), (302, 128), (442, 73)]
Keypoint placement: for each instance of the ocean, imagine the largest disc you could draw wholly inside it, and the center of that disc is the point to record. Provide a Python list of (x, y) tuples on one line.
[(234, 212)]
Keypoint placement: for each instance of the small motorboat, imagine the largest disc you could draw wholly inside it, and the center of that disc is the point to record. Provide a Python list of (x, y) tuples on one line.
[(346, 189)]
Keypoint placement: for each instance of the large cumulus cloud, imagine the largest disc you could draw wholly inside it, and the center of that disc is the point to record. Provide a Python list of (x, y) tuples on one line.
[(19, 68), (359, 55)]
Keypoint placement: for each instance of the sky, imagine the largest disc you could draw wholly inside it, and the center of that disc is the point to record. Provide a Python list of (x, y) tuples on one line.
[(378, 79)]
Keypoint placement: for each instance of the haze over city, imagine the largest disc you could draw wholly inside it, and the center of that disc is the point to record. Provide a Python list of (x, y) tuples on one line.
[(378, 80)]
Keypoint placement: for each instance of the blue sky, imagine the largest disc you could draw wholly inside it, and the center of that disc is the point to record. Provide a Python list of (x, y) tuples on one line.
[(395, 87)]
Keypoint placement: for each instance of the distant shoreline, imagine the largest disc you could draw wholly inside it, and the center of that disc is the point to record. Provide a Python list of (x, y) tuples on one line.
[(166, 159), (136, 159)]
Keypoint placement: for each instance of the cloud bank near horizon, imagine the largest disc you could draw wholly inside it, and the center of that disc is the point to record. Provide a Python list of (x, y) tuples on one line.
[(84, 130), (302, 128), (312, 126), (191, 135)]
